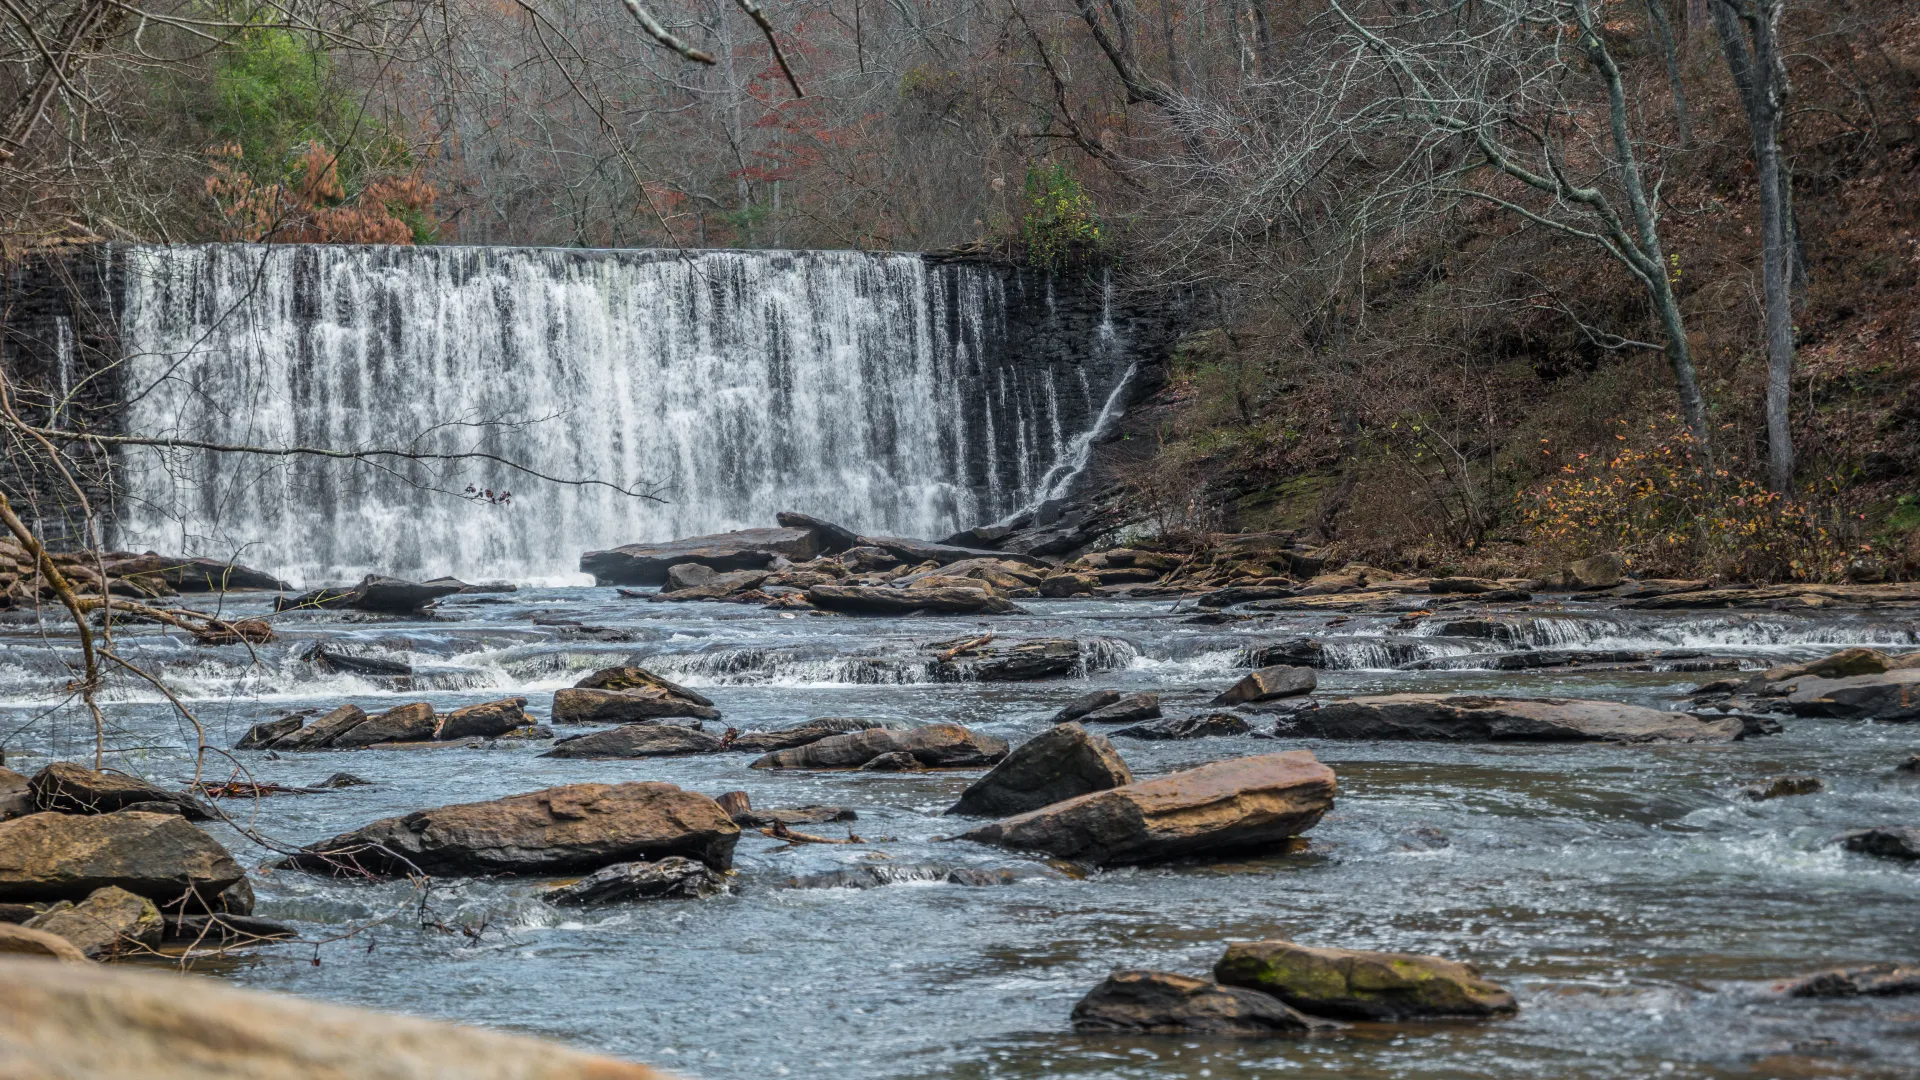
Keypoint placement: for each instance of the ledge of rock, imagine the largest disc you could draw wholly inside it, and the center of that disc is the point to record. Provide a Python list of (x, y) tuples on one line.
[(1267, 683), (573, 828), (577, 706), (1051, 767), (1243, 804), (938, 746), (958, 599), (743, 549), (637, 741), (1163, 1003), (807, 731), (1879, 980), (1358, 985), (1466, 717), (53, 856), (84, 1020)]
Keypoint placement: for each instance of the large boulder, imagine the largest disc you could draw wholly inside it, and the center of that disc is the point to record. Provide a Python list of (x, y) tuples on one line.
[(162, 857), (414, 722), (193, 575), (485, 721), (322, 732), (628, 677), (670, 877), (1055, 765), (75, 789), (1163, 1003), (1013, 661), (120, 1023), (886, 600), (569, 829), (637, 741), (1267, 683), (1841, 665), (744, 549), (577, 706), (940, 746), (1302, 652), (20, 941), (1892, 695), (1242, 804), (109, 923), (1357, 985), (1472, 718)]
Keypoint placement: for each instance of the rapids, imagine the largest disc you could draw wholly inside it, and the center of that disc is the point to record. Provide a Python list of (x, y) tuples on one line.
[(1638, 906)]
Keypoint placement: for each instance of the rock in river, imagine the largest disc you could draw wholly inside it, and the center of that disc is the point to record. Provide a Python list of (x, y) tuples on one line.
[(376, 592), (322, 732), (1237, 805), (1357, 985), (576, 706), (1881, 980), (162, 857), (412, 722), (938, 746), (1468, 717), (1058, 764), (16, 795), (573, 828), (1892, 695), (1162, 1003), (809, 731), (628, 677), (885, 600), (75, 789), (110, 922), (1128, 710), (1267, 683), (637, 741), (1085, 704), (119, 1023), (1887, 841), (674, 876), (1196, 726), (488, 721), (745, 549)]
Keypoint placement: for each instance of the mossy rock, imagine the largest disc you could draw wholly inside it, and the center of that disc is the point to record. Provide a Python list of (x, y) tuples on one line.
[(1359, 985)]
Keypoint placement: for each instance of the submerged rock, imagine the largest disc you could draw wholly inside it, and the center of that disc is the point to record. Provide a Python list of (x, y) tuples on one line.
[(1782, 786), (1195, 726), (109, 923), (675, 876), (75, 789), (1267, 683), (1058, 764), (572, 828), (939, 746), (577, 706), (1128, 710), (1886, 841), (1294, 652), (1244, 804), (53, 856), (739, 807), (744, 549), (1468, 717), (1086, 703), (637, 741), (336, 661), (1883, 980), (1163, 1003), (1355, 984)]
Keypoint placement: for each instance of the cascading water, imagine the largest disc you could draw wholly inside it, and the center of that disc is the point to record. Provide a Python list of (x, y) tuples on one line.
[(885, 391)]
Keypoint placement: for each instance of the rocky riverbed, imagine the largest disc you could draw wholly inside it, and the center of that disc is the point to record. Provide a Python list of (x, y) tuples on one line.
[(1647, 909)]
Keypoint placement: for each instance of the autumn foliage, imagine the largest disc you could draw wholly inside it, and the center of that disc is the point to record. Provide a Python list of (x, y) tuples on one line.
[(314, 208)]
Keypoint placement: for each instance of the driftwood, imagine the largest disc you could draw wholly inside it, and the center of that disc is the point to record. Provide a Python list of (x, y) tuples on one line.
[(966, 646), (779, 831)]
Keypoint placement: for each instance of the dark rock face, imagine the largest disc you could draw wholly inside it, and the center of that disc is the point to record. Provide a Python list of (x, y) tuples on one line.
[(558, 830), (1196, 726), (636, 678), (811, 731), (1294, 652), (884, 600), (1085, 704), (376, 592), (576, 706), (75, 789), (1128, 710), (1058, 586), (488, 721), (637, 741), (746, 549), (939, 746), (195, 575), (1267, 683), (225, 929), (1242, 594), (322, 732), (674, 876), (1017, 661), (1162, 1003), (1892, 695), (1241, 804), (828, 538), (402, 723), (52, 856), (1887, 841), (264, 734), (1358, 985), (1883, 980), (1055, 765), (335, 660), (1470, 718)]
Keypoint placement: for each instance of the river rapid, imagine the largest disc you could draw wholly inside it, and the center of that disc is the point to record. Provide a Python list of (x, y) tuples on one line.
[(1640, 908)]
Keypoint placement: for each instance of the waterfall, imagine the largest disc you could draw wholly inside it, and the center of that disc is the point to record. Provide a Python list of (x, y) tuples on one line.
[(885, 391)]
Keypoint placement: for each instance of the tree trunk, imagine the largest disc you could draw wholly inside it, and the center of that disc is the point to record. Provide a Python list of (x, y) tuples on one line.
[(1663, 33)]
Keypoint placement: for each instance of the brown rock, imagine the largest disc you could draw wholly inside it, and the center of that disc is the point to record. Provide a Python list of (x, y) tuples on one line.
[(1240, 804), (1128, 710), (673, 876), (935, 745), (1782, 786), (1472, 718), (1162, 1003), (1194, 726), (16, 795), (1085, 704), (267, 732), (1894, 696), (637, 741), (577, 706), (1843, 664), (574, 828), (1062, 585), (21, 941), (1357, 985), (682, 585), (109, 923), (75, 789), (1267, 683), (885, 600), (811, 731), (403, 723), (67, 856), (119, 1023), (745, 549), (488, 721), (1058, 764), (628, 677), (322, 732)]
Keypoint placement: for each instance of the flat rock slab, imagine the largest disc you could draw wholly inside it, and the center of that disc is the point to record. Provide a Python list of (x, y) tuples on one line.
[(1243, 804), (120, 1023), (1056, 765), (577, 706), (1358, 985), (914, 552), (886, 600), (811, 731), (637, 741), (1163, 1003), (1267, 683), (939, 746), (1471, 718), (1891, 695), (746, 549), (570, 829), (162, 857)]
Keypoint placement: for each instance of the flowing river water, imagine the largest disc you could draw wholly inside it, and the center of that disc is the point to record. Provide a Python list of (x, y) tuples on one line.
[(1641, 909)]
